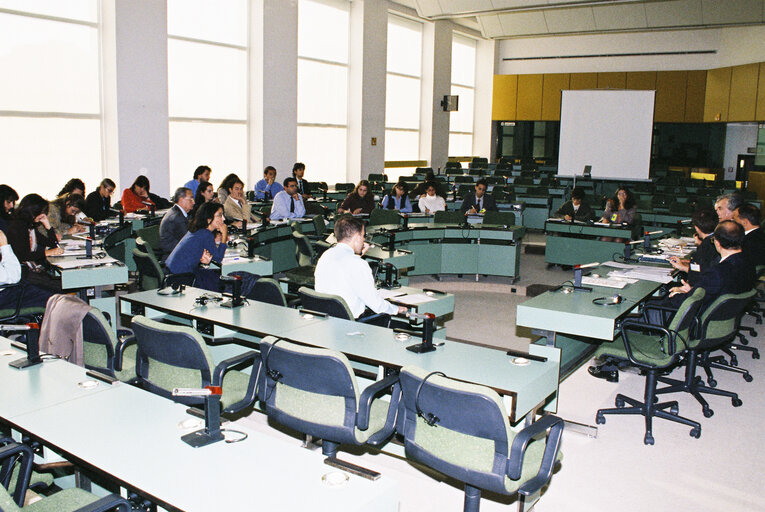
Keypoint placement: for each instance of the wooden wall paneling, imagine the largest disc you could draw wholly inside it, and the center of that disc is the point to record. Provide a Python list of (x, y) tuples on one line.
[(529, 106), (760, 110), (717, 95), (641, 80), (743, 92), (583, 81), (504, 98), (552, 85), (670, 96), (695, 93), (612, 80)]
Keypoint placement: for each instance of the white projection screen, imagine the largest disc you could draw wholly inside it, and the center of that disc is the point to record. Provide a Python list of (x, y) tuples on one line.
[(609, 130)]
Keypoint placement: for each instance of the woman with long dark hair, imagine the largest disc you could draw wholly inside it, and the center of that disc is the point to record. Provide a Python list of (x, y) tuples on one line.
[(361, 200), (136, 198), (621, 208), (205, 194), (8, 198), (63, 214), (397, 198)]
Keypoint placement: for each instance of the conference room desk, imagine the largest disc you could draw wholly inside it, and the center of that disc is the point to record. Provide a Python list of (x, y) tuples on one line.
[(276, 243), (451, 249), (667, 223), (133, 438), (572, 322), (536, 211), (516, 207), (575, 243), (370, 348)]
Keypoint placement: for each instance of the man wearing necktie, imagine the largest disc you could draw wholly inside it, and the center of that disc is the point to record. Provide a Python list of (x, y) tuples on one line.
[(288, 203), (298, 170), (478, 201)]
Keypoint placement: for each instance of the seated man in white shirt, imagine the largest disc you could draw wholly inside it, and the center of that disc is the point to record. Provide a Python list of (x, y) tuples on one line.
[(341, 271), (288, 203)]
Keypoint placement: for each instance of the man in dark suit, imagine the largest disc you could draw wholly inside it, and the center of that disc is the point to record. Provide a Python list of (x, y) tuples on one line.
[(730, 275), (576, 209), (175, 223), (298, 171), (753, 245), (478, 201)]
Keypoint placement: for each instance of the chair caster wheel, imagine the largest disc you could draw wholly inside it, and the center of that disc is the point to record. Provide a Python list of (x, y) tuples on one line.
[(673, 409), (648, 439), (712, 383), (756, 354), (696, 432), (698, 380), (708, 413), (748, 377), (734, 361), (736, 402), (619, 402), (600, 419)]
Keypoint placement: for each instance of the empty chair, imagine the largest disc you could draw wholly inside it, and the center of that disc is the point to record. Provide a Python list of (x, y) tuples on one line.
[(150, 236), (114, 242), (174, 356), (306, 257), (347, 187), (423, 170), (106, 352), (381, 216), (462, 431), (18, 314), (449, 217), (499, 217), (67, 500), (268, 290), (378, 178), (314, 391)]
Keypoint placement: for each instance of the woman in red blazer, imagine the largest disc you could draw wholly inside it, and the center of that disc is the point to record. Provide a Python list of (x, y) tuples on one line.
[(136, 198)]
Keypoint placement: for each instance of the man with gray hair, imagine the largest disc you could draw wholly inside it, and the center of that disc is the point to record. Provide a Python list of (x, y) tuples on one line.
[(726, 204), (175, 223)]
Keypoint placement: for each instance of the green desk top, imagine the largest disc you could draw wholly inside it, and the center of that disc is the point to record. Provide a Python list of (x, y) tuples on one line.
[(574, 313), (582, 228)]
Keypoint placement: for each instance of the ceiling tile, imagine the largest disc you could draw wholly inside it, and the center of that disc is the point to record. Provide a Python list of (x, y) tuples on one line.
[(615, 17), (716, 12), (465, 6), (523, 23), (578, 19), (671, 14)]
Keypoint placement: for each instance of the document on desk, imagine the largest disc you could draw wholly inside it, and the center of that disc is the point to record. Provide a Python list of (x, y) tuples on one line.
[(655, 274), (389, 294), (253, 225), (94, 262), (414, 299)]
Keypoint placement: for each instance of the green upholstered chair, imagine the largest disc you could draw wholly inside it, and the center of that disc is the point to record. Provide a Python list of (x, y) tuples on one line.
[(380, 216), (114, 242), (332, 305), (718, 324), (172, 356), (347, 187), (150, 272), (105, 351), (268, 290), (462, 431), (314, 391), (150, 236), (499, 218), (449, 217), (18, 314), (377, 177), (67, 500), (654, 350), (306, 258)]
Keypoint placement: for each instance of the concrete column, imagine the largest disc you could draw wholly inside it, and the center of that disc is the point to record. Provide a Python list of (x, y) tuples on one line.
[(367, 78), (273, 70), (484, 72), (140, 80), (436, 83)]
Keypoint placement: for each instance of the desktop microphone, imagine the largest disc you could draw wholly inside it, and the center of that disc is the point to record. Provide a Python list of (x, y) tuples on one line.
[(406, 221), (32, 333), (578, 276), (122, 217), (211, 432), (92, 228), (428, 328), (236, 291)]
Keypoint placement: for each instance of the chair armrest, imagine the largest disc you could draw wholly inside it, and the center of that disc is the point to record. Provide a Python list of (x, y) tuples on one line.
[(368, 395), (224, 366), (632, 325), (369, 318), (122, 345), (26, 457), (186, 278), (106, 504), (514, 467)]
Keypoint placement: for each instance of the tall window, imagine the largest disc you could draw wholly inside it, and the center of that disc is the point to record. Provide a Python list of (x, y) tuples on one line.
[(207, 87), (403, 93), (322, 88), (463, 85), (50, 103)]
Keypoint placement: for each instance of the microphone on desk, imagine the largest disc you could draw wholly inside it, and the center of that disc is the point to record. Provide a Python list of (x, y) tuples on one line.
[(211, 432), (406, 221), (578, 276), (428, 328)]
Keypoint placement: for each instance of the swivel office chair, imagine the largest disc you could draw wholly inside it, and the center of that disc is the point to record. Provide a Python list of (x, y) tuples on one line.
[(18, 314), (462, 431), (151, 274), (306, 258), (268, 290), (499, 218), (172, 356), (449, 217), (314, 391), (114, 242), (332, 305), (717, 326), (67, 500), (654, 350), (150, 237)]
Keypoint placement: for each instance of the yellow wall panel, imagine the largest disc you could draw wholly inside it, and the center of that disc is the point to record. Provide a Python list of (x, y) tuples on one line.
[(615, 80), (529, 97), (552, 85), (717, 95), (641, 80), (743, 92), (670, 96), (695, 92), (504, 97), (760, 112), (584, 81)]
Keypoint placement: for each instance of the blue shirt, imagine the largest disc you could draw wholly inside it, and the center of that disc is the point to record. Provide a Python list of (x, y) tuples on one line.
[(193, 185), (185, 257), (262, 187), (282, 205), (405, 208)]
